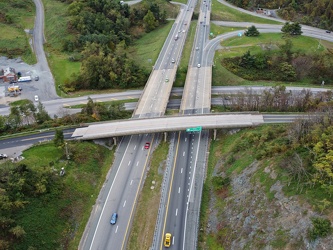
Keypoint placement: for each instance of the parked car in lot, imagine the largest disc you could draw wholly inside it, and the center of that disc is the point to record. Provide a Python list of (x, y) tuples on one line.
[(36, 98), (36, 78), (3, 156), (113, 218)]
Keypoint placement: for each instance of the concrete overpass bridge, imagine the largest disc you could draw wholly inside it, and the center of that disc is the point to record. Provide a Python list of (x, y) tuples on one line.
[(166, 124)]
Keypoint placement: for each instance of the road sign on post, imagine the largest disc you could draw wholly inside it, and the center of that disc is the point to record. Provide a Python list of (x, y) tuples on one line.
[(196, 129)]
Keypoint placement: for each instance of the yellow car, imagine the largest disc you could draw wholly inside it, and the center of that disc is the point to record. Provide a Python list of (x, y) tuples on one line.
[(167, 241)]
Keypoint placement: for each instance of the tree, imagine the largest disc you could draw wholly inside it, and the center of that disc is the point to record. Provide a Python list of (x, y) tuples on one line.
[(252, 31), (150, 22), (42, 115), (292, 29), (247, 60), (286, 49), (15, 116), (17, 231), (59, 138), (288, 71)]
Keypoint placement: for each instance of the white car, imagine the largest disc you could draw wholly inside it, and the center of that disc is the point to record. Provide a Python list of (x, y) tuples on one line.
[(36, 98), (198, 65)]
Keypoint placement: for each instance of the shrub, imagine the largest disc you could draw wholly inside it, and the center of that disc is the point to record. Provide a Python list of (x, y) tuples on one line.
[(321, 228)]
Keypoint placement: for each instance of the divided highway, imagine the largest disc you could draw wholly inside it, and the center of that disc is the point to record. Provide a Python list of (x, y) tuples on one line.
[(121, 189), (132, 156)]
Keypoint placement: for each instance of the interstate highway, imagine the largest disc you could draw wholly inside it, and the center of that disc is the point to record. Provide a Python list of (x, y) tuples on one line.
[(99, 233)]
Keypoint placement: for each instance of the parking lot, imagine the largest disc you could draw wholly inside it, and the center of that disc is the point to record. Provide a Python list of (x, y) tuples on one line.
[(43, 87)]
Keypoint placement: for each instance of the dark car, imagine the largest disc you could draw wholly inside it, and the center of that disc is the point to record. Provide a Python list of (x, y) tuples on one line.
[(114, 218), (3, 156), (147, 145), (328, 31)]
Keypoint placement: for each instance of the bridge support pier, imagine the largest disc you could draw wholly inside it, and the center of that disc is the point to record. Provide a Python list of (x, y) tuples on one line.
[(165, 136), (215, 131), (114, 140)]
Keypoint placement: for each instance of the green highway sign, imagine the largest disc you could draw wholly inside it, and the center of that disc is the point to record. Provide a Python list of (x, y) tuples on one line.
[(196, 129)]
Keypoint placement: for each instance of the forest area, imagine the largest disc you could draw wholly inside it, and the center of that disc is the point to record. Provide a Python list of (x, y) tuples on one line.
[(314, 13), (102, 31)]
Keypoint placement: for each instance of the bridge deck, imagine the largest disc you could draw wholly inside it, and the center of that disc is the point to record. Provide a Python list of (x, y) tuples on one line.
[(164, 124)]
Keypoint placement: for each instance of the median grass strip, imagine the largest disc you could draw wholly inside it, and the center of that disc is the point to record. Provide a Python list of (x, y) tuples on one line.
[(143, 226), (146, 49), (186, 55)]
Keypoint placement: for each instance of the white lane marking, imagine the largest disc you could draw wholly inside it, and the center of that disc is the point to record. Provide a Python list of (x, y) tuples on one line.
[(134, 147), (184, 153), (129, 163), (181, 170), (185, 139), (107, 197), (124, 203), (179, 190), (116, 229), (176, 211), (131, 182), (137, 164)]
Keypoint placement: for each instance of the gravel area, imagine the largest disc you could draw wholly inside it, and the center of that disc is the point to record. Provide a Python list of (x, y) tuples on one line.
[(44, 87)]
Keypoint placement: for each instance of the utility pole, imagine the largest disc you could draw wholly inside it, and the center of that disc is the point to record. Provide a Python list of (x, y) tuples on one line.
[(67, 153)]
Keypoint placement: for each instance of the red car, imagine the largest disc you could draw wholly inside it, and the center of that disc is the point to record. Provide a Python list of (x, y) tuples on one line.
[(147, 145)]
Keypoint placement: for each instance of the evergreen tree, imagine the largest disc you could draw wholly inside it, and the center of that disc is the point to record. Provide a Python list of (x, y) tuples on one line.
[(58, 138), (252, 31)]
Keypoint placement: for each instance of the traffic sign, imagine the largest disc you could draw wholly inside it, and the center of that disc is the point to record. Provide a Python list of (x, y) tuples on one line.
[(195, 129)]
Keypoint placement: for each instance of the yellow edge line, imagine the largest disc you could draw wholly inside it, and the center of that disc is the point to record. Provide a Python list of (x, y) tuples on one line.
[(167, 205)]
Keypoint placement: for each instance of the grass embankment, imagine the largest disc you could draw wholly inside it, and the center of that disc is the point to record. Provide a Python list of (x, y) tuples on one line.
[(229, 156), (56, 20), (14, 40), (237, 46), (146, 211), (146, 49), (60, 218), (221, 12)]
